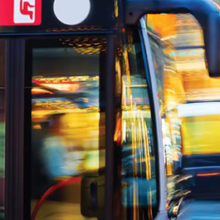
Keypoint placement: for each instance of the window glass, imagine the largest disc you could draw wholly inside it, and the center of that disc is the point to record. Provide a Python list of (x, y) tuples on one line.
[(2, 132), (186, 94), (173, 41), (139, 184), (67, 152)]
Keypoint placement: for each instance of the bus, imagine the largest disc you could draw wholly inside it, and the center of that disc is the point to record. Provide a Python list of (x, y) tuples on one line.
[(80, 126)]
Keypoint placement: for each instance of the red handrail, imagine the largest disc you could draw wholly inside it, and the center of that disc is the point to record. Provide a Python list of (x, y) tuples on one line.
[(51, 190)]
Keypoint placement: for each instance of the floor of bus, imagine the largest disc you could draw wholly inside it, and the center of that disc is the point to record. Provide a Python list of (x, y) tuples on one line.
[(52, 210)]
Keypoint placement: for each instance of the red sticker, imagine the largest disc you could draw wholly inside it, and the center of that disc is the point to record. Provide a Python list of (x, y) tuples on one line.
[(20, 12)]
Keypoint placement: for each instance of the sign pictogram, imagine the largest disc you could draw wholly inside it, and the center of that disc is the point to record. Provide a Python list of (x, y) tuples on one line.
[(20, 12)]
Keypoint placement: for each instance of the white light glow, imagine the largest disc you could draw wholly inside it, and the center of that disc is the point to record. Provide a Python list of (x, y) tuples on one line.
[(72, 12), (199, 109)]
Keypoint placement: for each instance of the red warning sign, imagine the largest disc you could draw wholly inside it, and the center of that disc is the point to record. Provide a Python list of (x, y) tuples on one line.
[(20, 12)]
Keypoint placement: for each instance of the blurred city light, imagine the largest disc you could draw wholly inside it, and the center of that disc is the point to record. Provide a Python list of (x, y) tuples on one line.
[(189, 107)]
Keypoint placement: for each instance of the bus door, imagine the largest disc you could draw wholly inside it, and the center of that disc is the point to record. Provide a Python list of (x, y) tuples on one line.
[(74, 106), (59, 113), (58, 122), (65, 125), (68, 112)]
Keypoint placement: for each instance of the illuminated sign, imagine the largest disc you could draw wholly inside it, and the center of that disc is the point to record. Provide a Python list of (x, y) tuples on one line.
[(46, 16), (20, 12)]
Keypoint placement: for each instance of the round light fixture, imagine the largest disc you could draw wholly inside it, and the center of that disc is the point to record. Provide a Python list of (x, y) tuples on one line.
[(72, 12)]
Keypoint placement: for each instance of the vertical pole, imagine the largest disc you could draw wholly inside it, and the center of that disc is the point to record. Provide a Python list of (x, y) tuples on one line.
[(110, 126), (14, 186)]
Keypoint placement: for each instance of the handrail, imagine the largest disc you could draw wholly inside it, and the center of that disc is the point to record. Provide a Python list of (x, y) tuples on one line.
[(52, 189)]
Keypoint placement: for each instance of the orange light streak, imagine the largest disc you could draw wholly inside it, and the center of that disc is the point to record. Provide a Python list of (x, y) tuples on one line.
[(38, 91), (65, 87), (208, 174)]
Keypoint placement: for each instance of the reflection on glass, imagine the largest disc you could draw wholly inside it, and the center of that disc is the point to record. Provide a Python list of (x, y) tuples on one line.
[(66, 125), (2, 138), (189, 107), (139, 194)]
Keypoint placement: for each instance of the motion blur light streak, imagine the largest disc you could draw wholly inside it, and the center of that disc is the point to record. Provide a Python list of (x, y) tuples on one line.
[(37, 91), (208, 174), (138, 152), (64, 87), (198, 109), (190, 112)]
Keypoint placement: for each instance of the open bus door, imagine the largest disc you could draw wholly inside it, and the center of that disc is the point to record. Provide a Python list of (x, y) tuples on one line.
[(83, 134)]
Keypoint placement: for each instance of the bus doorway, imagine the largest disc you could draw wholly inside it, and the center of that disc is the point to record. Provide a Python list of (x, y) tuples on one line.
[(65, 117)]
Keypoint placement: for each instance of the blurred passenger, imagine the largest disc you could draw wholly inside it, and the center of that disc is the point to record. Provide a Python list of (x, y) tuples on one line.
[(54, 153), (49, 156)]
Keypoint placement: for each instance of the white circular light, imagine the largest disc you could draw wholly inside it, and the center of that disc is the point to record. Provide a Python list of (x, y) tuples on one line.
[(72, 12)]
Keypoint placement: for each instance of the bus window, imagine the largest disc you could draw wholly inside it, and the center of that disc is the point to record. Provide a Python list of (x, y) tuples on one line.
[(67, 125), (181, 74), (139, 184), (2, 131)]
